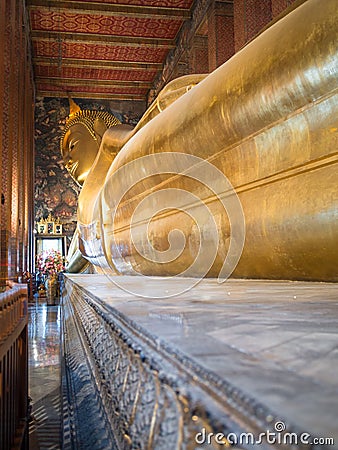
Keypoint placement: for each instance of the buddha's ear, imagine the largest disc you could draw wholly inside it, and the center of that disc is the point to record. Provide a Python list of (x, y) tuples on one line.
[(99, 128)]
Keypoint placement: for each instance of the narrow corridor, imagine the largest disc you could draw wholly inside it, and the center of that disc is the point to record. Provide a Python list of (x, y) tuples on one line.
[(44, 375)]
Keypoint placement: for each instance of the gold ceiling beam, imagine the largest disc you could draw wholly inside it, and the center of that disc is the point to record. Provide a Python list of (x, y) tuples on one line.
[(110, 9), (98, 64), (102, 38), (54, 81)]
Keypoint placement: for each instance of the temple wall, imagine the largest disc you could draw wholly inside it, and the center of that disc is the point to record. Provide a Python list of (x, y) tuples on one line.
[(55, 191), (16, 136), (16, 218)]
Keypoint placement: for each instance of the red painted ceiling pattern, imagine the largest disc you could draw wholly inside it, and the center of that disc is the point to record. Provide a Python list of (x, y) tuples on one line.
[(52, 49), (62, 61), (182, 4), (47, 20), (87, 73)]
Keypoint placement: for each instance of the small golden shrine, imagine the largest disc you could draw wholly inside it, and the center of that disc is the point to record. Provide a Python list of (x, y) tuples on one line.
[(49, 226)]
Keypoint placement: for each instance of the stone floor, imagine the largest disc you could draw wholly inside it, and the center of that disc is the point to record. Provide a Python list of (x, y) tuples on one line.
[(44, 375), (275, 341)]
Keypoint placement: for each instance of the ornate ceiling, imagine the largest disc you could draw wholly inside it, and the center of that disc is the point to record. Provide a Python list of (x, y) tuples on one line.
[(102, 48)]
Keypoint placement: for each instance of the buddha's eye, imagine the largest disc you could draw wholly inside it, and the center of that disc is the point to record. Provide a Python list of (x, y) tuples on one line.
[(72, 144)]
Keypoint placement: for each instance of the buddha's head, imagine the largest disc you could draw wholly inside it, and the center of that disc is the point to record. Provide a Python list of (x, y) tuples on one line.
[(81, 139)]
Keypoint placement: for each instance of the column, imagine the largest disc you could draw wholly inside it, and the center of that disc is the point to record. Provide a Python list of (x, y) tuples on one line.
[(250, 16), (198, 58), (220, 33), (3, 255), (6, 147), (278, 6)]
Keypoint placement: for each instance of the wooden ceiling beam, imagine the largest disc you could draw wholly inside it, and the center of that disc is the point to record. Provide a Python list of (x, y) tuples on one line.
[(91, 95), (97, 64), (100, 38), (110, 9), (54, 81)]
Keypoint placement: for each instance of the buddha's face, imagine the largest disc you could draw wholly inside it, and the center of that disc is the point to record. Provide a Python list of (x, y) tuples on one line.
[(79, 150)]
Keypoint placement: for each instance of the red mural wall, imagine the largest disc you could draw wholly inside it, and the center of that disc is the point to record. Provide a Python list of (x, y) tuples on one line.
[(55, 191)]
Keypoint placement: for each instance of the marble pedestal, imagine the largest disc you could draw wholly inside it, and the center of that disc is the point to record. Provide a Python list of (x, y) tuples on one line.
[(219, 364)]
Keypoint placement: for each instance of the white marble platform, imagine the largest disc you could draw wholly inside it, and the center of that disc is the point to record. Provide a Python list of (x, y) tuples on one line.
[(276, 342)]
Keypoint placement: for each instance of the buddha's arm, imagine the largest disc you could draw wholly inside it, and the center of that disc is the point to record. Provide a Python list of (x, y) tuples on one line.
[(168, 95), (75, 262), (112, 141)]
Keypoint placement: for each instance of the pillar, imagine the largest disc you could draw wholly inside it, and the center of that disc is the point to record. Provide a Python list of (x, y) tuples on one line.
[(250, 16), (6, 147), (278, 6), (16, 141), (198, 58), (3, 271), (220, 33)]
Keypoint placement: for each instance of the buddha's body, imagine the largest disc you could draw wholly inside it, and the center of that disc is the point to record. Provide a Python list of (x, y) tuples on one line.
[(267, 119)]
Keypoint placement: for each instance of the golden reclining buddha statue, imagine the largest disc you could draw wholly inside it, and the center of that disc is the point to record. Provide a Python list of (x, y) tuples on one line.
[(236, 170)]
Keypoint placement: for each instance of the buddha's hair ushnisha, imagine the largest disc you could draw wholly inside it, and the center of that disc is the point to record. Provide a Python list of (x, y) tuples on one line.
[(87, 118)]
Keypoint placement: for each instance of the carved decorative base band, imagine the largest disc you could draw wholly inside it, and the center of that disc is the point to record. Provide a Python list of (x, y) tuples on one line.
[(124, 389)]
